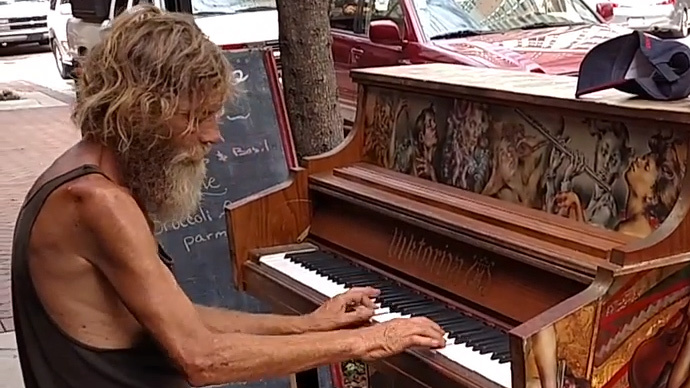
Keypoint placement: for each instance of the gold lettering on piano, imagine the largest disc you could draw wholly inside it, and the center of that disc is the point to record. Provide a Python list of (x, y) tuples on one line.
[(474, 271), (479, 273)]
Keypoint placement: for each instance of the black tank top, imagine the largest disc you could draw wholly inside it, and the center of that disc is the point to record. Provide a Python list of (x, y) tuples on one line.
[(49, 357)]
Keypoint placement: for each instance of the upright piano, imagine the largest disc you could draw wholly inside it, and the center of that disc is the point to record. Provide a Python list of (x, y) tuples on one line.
[(548, 235)]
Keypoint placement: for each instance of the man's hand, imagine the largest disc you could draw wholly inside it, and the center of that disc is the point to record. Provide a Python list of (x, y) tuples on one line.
[(390, 338), (353, 307)]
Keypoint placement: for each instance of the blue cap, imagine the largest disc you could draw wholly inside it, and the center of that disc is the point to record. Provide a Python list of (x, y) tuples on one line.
[(639, 64)]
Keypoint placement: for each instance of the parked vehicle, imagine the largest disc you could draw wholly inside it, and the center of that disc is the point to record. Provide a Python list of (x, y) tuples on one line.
[(23, 21), (228, 23), (59, 13), (649, 15), (548, 36)]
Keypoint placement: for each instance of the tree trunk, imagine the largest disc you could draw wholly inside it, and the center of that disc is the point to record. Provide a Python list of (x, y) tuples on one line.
[(308, 75)]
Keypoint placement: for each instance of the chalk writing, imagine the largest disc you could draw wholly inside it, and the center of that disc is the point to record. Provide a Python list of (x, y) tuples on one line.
[(238, 117), (213, 188), (474, 271), (239, 76), (200, 217), (251, 150), (226, 203), (200, 238), (221, 157)]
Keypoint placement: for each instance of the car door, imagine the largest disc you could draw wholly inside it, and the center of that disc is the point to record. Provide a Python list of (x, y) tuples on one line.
[(343, 21), (370, 54)]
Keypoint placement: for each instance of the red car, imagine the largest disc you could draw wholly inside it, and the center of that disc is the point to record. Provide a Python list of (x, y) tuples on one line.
[(546, 36)]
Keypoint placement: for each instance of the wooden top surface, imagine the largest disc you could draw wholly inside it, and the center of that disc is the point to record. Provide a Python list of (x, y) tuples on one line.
[(510, 85)]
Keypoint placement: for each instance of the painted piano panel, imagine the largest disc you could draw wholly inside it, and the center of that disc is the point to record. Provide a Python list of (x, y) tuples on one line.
[(636, 336), (617, 175)]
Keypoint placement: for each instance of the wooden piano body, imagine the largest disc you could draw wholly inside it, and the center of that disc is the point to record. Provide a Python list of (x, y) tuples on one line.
[(563, 222)]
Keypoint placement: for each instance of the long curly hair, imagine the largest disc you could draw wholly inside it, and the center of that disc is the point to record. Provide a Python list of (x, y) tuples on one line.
[(150, 66)]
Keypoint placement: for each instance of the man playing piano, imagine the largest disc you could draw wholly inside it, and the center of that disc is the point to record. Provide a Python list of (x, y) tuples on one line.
[(95, 301)]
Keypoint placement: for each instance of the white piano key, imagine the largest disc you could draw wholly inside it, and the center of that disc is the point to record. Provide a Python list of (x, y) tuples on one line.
[(309, 278), (387, 317), (382, 310), (481, 363)]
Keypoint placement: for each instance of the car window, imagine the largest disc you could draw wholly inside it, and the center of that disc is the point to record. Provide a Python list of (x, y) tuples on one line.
[(383, 10), (343, 14), (441, 19)]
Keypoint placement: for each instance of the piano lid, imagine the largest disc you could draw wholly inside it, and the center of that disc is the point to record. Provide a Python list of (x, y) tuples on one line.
[(545, 90)]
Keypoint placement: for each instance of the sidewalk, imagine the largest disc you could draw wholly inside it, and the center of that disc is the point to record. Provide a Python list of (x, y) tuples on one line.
[(9, 363), (33, 132)]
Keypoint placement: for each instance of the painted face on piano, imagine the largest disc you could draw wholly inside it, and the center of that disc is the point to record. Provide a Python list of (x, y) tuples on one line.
[(425, 134), (653, 185)]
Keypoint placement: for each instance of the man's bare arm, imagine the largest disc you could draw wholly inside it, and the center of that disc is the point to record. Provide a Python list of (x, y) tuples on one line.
[(122, 246), (228, 321)]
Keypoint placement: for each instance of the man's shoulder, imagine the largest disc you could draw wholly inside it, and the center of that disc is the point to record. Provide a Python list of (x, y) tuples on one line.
[(96, 194)]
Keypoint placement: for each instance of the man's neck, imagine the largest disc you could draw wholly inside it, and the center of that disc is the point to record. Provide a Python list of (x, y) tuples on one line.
[(107, 161)]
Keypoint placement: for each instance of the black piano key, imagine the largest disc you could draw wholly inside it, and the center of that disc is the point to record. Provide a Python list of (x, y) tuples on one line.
[(468, 323), (483, 343), (425, 309), (414, 301), (449, 320), (396, 296), (364, 283), (503, 357), (437, 314), (357, 277), (498, 346), (342, 271), (463, 335), (478, 336), (503, 354)]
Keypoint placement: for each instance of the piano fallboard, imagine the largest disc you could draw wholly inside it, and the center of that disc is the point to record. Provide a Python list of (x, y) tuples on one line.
[(413, 368), (483, 275)]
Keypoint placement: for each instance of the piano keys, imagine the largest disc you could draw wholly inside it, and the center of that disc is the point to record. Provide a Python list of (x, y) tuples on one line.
[(549, 243), (472, 343)]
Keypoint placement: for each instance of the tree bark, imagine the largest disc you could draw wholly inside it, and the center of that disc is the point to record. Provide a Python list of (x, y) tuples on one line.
[(309, 81)]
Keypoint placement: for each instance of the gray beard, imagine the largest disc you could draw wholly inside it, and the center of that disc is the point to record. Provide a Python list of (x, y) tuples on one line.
[(183, 187), (169, 191)]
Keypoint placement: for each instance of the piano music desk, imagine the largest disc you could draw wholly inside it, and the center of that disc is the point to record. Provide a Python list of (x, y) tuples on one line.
[(555, 228)]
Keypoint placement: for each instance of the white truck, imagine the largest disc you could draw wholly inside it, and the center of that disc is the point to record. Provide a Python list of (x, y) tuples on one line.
[(23, 21), (228, 23)]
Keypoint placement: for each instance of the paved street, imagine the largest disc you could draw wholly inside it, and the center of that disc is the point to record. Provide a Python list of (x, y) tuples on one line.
[(32, 63), (35, 130)]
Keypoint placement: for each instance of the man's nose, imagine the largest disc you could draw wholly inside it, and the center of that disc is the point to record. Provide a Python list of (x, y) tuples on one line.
[(212, 136)]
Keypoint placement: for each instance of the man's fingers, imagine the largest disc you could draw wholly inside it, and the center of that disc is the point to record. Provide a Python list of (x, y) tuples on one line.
[(370, 292), (366, 301), (361, 313), (423, 322), (360, 296), (428, 332), (427, 342)]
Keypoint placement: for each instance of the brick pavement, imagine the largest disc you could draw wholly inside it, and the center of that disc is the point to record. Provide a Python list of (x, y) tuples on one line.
[(30, 138)]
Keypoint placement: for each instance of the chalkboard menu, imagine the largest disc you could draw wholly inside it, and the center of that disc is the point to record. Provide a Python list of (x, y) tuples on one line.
[(252, 158)]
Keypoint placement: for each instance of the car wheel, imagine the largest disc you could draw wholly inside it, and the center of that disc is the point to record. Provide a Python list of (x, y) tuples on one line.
[(64, 70), (684, 27)]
